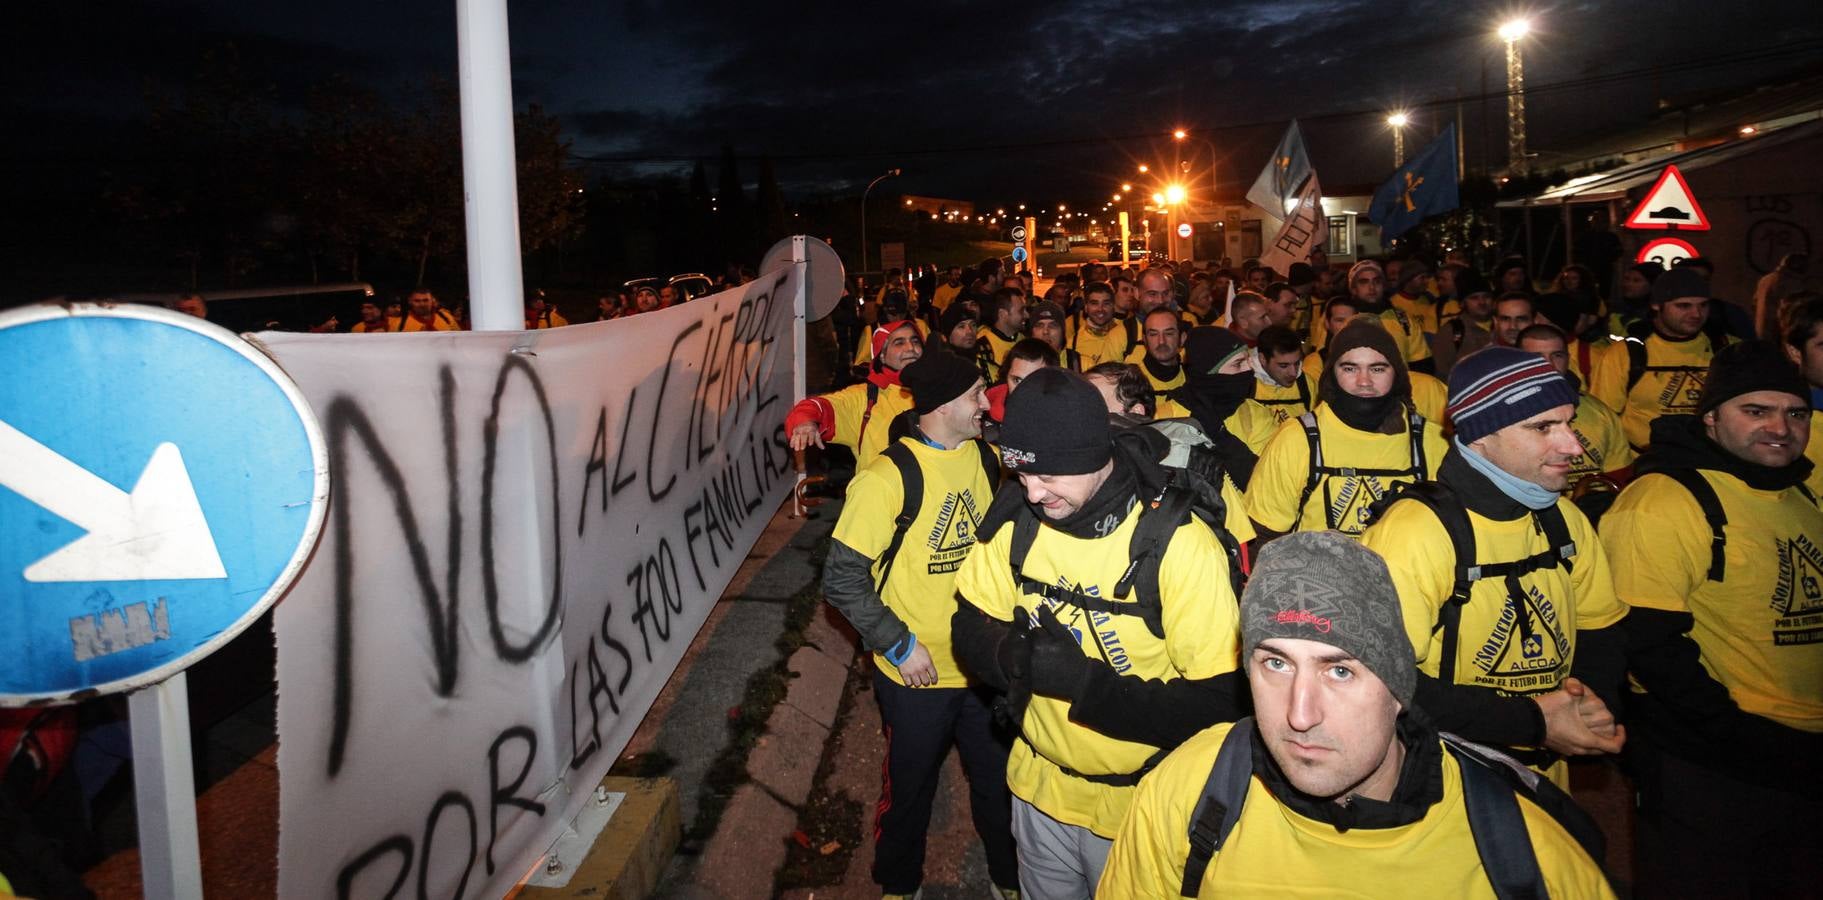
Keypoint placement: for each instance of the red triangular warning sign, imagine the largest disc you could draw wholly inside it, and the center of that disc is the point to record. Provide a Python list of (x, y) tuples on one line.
[(1669, 205)]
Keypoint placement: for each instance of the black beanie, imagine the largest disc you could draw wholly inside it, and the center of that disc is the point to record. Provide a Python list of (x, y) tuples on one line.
[(1056, 424), (937, 378), (1208, 347), (1747, 367), (1678, 284), (956, 314), (1363, 331)]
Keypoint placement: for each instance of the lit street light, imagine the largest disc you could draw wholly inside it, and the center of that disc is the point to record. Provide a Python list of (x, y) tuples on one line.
[(1126, 188), (1174, 193), (1511, 32), (890, 173), (1398, 122), (1143, 169), (1158, 199), (1214, 184)]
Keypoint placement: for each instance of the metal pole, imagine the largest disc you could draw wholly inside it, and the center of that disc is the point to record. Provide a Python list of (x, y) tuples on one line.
[(164, 791), (1516, 155), (490, 178), (1398, 146), (870, 186), (800, 262)]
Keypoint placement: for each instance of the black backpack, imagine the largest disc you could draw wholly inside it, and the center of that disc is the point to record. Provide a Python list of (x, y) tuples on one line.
[(1637, 367), (1491, 782), (1318, 469), (1448, 508), (911, 477), (1192, 490)]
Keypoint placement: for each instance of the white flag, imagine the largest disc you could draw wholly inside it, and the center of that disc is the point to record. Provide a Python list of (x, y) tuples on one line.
[(1305, 229)]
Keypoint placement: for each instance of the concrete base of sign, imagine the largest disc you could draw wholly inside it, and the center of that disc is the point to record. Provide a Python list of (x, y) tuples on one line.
[(632, 850)]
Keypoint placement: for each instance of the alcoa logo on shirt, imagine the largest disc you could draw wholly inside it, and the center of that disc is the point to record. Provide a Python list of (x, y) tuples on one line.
[(1016, 458), (1302, 617)]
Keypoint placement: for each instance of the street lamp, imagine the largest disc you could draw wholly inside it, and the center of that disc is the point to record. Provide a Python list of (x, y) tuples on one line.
[(1143, 168), (1174, 193), (889, 173), (1214, 183), (1511, 32), (1126, 187), (1398, 122)]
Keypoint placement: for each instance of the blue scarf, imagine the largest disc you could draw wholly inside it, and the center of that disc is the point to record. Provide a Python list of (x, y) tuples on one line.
[(1523, 492)]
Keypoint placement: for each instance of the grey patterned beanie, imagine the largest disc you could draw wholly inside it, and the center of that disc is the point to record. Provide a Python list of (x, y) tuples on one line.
[(1323, 586)]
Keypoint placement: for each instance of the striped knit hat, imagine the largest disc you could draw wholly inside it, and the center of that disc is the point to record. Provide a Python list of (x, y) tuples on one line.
[(1499, 386)]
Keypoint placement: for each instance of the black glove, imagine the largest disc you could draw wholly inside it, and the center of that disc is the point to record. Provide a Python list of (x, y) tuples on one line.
[(1058, 665), (1014, 655)]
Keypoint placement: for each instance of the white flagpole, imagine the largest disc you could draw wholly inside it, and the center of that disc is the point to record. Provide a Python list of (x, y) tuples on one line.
[(489, 176)]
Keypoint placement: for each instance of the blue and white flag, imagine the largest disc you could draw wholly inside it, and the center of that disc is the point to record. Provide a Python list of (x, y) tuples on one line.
[(1276, 189)]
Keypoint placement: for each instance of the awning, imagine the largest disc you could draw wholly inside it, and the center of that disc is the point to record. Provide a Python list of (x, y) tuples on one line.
[(1615, 183)]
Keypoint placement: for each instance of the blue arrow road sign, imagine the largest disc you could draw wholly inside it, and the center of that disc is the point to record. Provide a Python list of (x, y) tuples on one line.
[(1019, 253), (161, 484)]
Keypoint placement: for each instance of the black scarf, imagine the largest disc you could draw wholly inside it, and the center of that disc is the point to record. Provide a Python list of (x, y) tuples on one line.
[(1162, 371), (1476, 491), (1107, 508), (1211, 399), (1420, 783), (1682, 442), (1385, 415)]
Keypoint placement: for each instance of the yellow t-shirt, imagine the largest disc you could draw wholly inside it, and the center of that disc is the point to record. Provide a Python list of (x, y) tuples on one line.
[(1760, 631), (1339, 501), (1430, 395), (1109, 346), (920, 589), (850, 407), (1421, 310), (944, 295), (1254, 423), (1275, 852), (1672, 391), (1313, 370), (441, 320), (1288, 402), (1202, 638), (1492, 648), (990, 351), (1604, 444), (1159, 387)]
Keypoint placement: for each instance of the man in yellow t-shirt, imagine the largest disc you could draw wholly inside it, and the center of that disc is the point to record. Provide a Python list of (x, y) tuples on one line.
[(1718, 550), (1506, 594), (1105, 665), (1095, 333), (1662, 374), (423, 314), (1367, 288), (1161, 357), (1605, 450), (1338, 785), (1325, 469), (947, 289), (1217, 390), (1005, 315), (1281, 384), (895, 583), (1410, 297), (859, 416)]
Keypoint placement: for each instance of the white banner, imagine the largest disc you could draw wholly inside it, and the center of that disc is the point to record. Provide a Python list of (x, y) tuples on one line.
[(525, 532), (1305, 229)]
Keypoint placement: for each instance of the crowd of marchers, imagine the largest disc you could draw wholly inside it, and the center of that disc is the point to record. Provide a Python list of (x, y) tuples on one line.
[(1310, 583)]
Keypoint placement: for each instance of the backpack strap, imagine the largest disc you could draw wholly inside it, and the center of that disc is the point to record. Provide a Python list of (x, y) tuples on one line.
[(1219, 807), (1492, 782), (1698, 486), (1315, 439), (1414, 424), (1498, 826), (911, 478), (1304, 391), (873, 396), (1447, 507), (990, 463), (1132, 335), (1636, 361)]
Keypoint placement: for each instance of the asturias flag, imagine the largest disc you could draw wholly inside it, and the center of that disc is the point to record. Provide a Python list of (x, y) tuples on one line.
[(1421, 188)]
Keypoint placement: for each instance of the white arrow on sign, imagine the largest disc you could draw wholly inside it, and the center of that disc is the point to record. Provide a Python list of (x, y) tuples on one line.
[(155, 532)]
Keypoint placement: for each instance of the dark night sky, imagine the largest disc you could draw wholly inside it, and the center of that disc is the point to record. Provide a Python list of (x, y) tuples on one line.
[(1049, 96)]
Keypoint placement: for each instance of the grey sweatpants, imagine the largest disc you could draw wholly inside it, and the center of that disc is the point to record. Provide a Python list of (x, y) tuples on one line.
[(1056, 861)]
